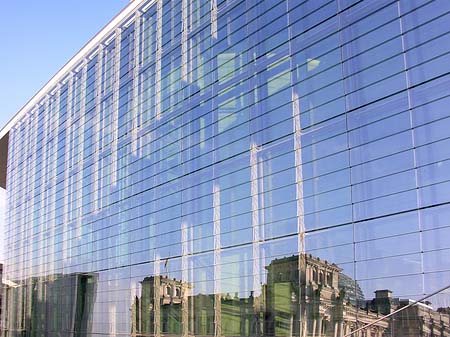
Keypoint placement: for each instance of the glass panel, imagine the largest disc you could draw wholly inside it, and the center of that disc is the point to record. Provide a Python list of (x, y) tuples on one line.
[(238, 168)]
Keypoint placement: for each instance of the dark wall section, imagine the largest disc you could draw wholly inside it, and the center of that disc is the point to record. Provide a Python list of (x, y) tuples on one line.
[(3, 159)]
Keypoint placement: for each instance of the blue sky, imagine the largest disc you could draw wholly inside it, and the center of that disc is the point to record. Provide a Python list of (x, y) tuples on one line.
[(38, 38)]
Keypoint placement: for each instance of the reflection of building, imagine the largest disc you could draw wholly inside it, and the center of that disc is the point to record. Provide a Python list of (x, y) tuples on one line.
[(418, 320), (168, 306), (352, 290), (302, 297), (333, 304), (326, 304), (160, 307), (210, 136), (56, 303)]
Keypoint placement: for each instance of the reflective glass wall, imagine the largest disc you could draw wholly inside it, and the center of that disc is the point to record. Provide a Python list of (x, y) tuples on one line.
[(239, 168)]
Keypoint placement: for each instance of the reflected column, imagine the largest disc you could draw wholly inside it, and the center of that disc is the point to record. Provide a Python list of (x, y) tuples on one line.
[(156, 298), (256, 238), (97, 132), (314, 326), (319, 326), (159, 10), (81, 150), (67, 169), (115, 118), (135, 123), (184, 284), (301, 306), (217, 266)]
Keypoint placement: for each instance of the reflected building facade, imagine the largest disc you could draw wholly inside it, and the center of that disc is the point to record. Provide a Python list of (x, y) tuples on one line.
[(51, 305), (190, 171), (328, 307)]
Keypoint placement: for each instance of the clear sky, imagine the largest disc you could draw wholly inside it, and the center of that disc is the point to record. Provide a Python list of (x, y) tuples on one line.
[(38, 38)]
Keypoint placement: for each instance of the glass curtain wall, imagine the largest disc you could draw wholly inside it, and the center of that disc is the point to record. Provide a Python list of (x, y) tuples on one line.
[(239, 168)]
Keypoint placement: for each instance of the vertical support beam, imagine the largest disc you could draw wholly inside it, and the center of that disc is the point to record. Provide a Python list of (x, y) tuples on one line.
[(81, 149), (42, 219), (69, 138), (184, 281), (115, 108), (6, 319), (52, 204), (300, 211), (158, 65), (256, 287), (214, 18), (191, 273), (156, 298), (67, 155), (184, 40), (255, 218), (319, 327), (340, 329), (412, 127), (23, 192), (217, 263), (28, 267), (97, 132), (136, 309), (139, 309), (136, 108), (336, 330), (112, 311), (299, 173)]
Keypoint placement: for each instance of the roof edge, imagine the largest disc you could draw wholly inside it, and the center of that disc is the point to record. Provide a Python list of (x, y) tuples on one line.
[(76, 59)]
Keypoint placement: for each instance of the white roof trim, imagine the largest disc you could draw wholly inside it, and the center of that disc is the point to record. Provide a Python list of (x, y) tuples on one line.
[(73, 62)]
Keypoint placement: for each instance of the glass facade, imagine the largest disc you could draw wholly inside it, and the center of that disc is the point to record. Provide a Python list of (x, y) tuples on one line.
[(238, 168)]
